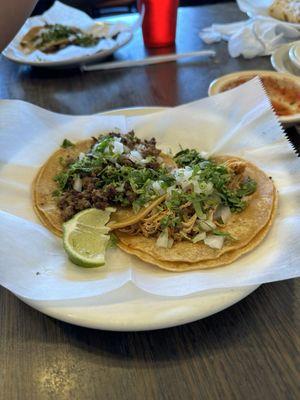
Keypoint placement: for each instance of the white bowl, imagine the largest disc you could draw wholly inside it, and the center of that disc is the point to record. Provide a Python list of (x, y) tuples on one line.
[(292, 83), (294, 54)]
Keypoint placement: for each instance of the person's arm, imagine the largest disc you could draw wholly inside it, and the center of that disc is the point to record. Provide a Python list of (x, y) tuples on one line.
[(13, 14)]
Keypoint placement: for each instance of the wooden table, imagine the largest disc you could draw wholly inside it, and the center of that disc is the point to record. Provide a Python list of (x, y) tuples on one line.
[(249, 351)]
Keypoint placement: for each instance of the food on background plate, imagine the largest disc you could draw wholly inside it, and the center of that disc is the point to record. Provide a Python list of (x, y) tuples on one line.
[(285, 10), (180, 213), (282, 89), (52, 38)]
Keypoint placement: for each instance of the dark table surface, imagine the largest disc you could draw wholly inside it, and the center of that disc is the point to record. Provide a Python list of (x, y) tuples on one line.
[(249, 351)]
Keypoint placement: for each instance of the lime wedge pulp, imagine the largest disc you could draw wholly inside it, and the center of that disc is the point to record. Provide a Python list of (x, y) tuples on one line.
[(85, 237)]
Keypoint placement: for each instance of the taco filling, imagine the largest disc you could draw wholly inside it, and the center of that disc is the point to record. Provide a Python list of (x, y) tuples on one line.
[(199, 202), (118, 170), (51, 38)]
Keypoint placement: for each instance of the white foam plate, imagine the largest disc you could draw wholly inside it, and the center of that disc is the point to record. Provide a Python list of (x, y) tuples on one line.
[(131, 309)]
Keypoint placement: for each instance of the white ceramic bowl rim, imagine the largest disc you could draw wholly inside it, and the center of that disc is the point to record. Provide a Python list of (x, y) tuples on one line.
[(217, 84)]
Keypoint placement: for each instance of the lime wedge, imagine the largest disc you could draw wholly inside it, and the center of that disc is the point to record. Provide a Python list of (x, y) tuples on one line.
[(85, 237)]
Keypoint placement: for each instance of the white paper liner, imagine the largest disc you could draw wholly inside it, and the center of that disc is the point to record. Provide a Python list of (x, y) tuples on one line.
[(239, 122), (60, 13)]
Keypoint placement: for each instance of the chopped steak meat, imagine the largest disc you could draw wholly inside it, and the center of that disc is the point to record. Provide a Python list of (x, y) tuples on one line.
[(96, 194)]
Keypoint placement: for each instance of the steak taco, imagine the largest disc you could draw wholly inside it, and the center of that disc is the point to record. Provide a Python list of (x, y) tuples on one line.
[(51, 38), (113, 170)]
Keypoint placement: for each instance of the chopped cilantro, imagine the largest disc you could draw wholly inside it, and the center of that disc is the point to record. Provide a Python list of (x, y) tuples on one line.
[(62, 179), (66, 143), (188, 157), (223, 233), (234, 198), (56, 193)]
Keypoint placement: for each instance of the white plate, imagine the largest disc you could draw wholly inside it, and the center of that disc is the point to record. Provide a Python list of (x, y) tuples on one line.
[(294, 54), (130, 309), (260, 8), (281, 61)]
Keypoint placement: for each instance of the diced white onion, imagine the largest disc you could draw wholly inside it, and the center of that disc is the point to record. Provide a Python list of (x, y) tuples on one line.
[(207, 225), (156, 185), (118, 147), (214, 241), (204, 154), (225, 214), (202, 187), (182, 176), (120, 188), (217, 213), (81, 156), (200, 236), (77, 185), (163, 239), (170, 243), (169, 191), (135, 156), (94, 148), (195, 183), (209, 188)]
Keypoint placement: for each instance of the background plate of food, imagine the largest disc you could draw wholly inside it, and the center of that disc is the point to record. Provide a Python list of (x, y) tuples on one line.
[(66, 37), (286, 11)]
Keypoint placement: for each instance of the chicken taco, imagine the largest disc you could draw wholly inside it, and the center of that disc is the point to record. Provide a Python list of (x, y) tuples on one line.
[(215, 211)]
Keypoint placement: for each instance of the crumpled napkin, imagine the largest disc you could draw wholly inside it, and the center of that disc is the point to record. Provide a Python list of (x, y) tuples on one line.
[(257, 36)]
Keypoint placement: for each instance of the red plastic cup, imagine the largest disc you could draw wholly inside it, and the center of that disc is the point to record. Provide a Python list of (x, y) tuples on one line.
[(159, 24)]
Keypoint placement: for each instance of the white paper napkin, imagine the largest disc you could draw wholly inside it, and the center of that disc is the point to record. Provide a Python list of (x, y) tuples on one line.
[(257, 36), (241, 122), (60, 13)]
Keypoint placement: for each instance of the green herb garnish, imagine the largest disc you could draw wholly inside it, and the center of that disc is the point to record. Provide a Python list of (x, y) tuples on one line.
[(223, 233), (65, 144)]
